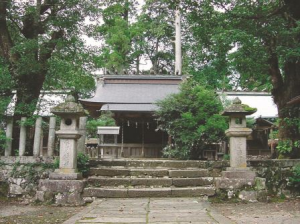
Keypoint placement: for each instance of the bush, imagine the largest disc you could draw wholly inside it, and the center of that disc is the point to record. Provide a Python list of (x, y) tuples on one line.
[(192, 118), (83, 164), (106, 119), (295, 179)]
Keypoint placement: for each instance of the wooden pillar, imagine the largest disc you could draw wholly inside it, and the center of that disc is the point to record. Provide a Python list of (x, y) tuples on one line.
[(9, 133), (22, 140), (143, 139), (122, 141)]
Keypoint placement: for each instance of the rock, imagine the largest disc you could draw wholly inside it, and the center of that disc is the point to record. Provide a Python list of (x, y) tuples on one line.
[(88, 199), (250, 196), (61, 198), (230, 194), (39, 196), (15, 189)]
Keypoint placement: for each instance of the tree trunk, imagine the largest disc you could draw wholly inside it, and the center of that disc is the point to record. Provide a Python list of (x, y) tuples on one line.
[(289, 114)]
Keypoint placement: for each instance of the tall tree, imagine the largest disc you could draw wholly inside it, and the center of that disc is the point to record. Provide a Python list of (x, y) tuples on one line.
[(38, 41), (250, 44), (117, 32)]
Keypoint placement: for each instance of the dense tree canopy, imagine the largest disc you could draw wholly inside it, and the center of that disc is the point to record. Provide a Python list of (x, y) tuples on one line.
[(41, 48), (251, 45), (227, 45)]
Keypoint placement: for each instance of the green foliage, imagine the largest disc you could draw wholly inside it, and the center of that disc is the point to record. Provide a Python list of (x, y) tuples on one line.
[(106, 119), (285, 147), (56, 163), (226, 157), (3, 140), (83, 165), (250, 122), (44, 50), (295, 178), (192, 118)]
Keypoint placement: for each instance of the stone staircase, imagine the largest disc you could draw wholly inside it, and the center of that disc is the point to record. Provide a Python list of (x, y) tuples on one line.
[(149, 178)]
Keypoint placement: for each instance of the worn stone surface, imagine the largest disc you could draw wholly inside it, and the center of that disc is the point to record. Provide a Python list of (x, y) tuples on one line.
[(104, 193), (188, 173), (62, 185), (65, 176), (193, 192), (164, 182), (250, 196), (247, 174), (149, 192), (149, 172), (104, 181), (26, 159), (184, 182), (234, 183), (145, 210), (109, 172), (15, 189)]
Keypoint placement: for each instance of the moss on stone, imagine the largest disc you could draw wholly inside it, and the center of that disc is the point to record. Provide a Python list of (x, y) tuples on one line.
[(248, 108)]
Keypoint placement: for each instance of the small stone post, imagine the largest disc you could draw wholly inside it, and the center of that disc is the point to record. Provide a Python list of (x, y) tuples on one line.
[(37, 136), (68, 135), (9, 132), (22, 141), (238, 132), (51, 136), (82, 131)]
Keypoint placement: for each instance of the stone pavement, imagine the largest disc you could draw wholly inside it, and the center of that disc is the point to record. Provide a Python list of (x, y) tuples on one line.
[(149, 210)]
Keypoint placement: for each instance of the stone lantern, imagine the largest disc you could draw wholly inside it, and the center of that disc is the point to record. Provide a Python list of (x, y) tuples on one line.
[(70, 112), (238, 132)]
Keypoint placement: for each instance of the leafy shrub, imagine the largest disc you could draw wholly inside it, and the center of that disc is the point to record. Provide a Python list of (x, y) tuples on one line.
[(285, 147), (192, 118), (106, 119), (295, 179), (83, 164), (2, 141)]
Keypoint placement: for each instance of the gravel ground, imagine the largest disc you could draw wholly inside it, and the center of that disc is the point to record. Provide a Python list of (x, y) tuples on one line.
[(14, 212), (286, 212)]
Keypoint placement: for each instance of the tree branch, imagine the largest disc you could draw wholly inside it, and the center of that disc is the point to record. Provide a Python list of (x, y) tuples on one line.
[(6, 42), (49, 46)]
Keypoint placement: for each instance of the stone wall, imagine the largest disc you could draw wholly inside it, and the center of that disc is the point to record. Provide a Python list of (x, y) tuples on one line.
[(277, 173), (19, 175)]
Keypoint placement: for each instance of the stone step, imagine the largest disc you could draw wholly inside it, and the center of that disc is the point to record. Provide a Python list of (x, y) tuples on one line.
[(189, 173), (148, 192), (248, 174), (149, 182), (111, 172), (152, 163), (154, 172)]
